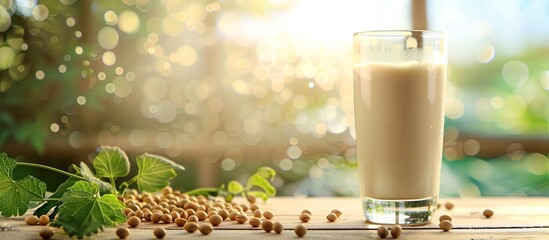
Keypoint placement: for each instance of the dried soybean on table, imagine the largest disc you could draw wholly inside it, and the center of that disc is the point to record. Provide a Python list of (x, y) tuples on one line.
[(514, 218)]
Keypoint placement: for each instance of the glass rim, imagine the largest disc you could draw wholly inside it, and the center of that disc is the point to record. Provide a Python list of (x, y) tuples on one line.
[(398, 33)]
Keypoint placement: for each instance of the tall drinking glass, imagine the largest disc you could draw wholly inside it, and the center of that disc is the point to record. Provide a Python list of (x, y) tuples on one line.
[(399, 82)]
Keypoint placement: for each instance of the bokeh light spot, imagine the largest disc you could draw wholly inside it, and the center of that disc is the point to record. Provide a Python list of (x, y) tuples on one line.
[(40, 75), (110, 88), (78, 50), (293, 152), (286, 164), (101, 76), (171, 26), (40, 12), (515, 73), (128, 21), (454, 108), (81, 100), (471, 147), (111, 18), (54, 127), (228, 164), (108, 38), (485, 53), (108, 58), (186, 56), (294, 141), (323, 163), (62, 68), (70, 22), (538, 164), (77, 139), (497, 102)]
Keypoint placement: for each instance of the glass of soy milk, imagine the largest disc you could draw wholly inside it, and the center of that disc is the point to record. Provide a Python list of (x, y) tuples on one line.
[(399, 86)]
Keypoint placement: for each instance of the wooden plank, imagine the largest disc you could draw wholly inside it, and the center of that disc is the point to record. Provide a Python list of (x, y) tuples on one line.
[(514, 218)]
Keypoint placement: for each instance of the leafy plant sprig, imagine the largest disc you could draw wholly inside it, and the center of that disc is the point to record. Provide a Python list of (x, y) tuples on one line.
[(258, 186), (85, 202)]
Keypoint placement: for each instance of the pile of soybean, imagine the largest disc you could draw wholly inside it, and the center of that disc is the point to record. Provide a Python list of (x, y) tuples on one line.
[(200, 214)]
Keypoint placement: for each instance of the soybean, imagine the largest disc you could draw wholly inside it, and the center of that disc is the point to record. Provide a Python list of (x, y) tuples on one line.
[(156, 217), (223, 213), (122, 232), (254, 207), (201, 215), (396, 230), (255, 222), (31, 220), (267, 225), (133, 221), (257, 213), (488, 213), (332, 217), (382, 231), (215, 219), (305, 217), (268, 214), (44, 220), (159, 232), (445, 225), (191, 227), (205, 228), (300, 230), (192, 218), (232, 215), (46, 232), (166, 218), (241, 218), (278, 228), (337, 212), (444, 217), (180, 222)]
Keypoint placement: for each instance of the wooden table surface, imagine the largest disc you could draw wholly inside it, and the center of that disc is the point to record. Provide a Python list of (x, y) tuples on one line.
[(514, 218)]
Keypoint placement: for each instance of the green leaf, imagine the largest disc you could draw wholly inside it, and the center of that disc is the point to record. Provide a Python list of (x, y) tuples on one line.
[(154, 172), (266, 172), (84, 212), (229, 197), (111, 163), (15, 196), (264, 184), (64, 187), (235, 187), (204, 192), (86, 172)]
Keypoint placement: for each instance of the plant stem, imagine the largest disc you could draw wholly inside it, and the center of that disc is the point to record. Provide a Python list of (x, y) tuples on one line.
[(52, 199), (114, 186), (51, 169), (131, 181)]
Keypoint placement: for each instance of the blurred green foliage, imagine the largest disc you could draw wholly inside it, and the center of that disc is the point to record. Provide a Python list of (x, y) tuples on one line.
[(467, 177), (506, 96)]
